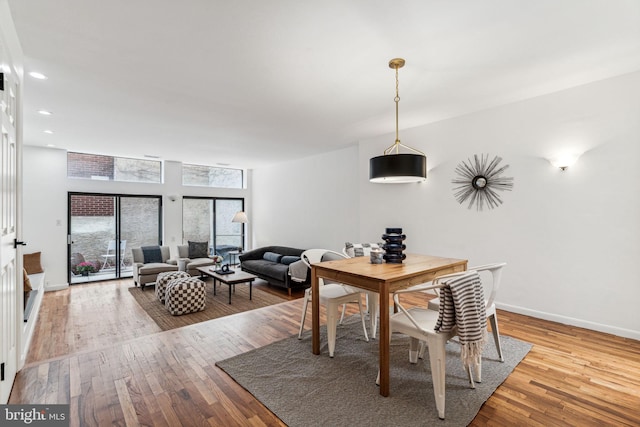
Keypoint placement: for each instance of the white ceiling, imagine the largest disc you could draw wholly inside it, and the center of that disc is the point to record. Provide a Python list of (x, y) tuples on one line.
[(253, 82)]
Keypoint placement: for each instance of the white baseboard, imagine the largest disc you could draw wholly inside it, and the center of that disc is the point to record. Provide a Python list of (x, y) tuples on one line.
[(49, 288), (621, 332)]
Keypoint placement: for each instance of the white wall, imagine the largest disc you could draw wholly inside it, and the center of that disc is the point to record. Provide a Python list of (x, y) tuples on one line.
[(45, 210), (307, 203), (570, 238), (45, 205)]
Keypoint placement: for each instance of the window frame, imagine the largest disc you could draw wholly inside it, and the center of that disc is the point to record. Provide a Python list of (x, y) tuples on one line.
[(241, 184), (113, 160)]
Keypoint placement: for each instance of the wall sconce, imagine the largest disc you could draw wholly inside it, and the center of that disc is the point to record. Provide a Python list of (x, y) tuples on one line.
[(564, 161), (173, 198)]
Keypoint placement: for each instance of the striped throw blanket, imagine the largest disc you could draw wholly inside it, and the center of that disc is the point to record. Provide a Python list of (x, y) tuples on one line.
[(462, 306)]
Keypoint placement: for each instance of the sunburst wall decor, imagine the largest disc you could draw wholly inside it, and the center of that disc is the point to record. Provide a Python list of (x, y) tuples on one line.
[(479, 181)]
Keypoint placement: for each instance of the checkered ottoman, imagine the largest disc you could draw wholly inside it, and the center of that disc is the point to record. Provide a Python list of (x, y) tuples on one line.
[(164, 278), (185, 295)]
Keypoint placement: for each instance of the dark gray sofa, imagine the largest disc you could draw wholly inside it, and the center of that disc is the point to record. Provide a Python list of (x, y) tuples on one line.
[(274, 271)]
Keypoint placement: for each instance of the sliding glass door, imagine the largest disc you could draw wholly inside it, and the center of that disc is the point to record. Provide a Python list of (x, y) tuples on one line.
[(229, 235), (102, 230), (210, 220), (139, 225)]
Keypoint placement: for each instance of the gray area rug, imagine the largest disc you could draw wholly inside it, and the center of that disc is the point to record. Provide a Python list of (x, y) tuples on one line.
[(303, 389)]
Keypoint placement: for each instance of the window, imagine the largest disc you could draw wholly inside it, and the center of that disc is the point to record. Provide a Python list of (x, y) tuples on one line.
[(210, 220), (208, 176), (98, 221), (108, 168)]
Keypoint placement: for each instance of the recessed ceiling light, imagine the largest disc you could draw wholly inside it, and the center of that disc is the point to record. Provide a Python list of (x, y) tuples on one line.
[(48, 131), (38, 76), (51, 145), (45, 112), (150, 156), (223, 164)]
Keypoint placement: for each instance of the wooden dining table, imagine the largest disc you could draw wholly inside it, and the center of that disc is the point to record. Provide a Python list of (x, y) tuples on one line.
[(383, 279)]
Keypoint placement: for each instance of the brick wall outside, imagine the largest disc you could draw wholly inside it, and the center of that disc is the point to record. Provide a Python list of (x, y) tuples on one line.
[(92, 206), (81, 165)]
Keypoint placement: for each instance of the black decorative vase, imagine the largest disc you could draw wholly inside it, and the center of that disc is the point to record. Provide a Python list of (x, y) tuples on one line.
[(394, 247)]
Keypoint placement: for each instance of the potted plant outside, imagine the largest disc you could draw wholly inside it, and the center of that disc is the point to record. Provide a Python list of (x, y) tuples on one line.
[(85, 268)]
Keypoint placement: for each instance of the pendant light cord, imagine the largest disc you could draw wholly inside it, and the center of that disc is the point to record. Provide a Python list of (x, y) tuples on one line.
[(397, 101), (395, 64)]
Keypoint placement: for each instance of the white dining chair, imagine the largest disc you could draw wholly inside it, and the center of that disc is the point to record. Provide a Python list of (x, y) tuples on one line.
[(332, 295), (490, 306), (420, 324), (372, 299)]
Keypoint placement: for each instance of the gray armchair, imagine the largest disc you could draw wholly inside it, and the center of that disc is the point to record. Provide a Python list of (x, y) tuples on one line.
[(148, 261), (191, 263)]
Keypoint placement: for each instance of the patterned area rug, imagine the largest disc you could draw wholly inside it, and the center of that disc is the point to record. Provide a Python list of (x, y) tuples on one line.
[(216, 306), (309, 390)]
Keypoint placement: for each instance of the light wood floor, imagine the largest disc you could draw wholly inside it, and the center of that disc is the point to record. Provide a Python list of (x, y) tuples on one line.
[(95, 349)]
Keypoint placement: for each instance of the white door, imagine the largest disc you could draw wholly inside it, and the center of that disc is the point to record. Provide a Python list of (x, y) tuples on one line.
[(10, 301)]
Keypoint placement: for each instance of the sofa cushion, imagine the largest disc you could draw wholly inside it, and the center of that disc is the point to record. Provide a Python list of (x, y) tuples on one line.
[(258, 253), (27, 282), (267, 268), (31, 263), (272, 256), (152, 254), (200, 262), (198, 249), (155, 268), (289, 259)]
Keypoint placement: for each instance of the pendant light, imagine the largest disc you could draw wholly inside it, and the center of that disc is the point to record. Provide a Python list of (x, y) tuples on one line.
[(394, 167)]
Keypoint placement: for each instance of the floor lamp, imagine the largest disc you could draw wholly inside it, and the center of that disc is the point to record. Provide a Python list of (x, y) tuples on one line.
[(241, 217)]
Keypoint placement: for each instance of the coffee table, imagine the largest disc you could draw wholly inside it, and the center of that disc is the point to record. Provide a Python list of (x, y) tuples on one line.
[(230, 280)]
